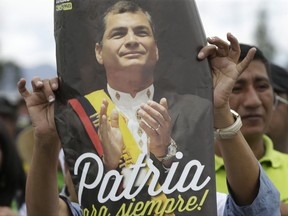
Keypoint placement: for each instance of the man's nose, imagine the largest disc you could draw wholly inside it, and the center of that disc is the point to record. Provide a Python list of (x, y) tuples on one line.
[(252, 98), (131, 39)]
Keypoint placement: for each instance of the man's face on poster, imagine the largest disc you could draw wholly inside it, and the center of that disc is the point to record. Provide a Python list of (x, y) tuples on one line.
[(128, 42)]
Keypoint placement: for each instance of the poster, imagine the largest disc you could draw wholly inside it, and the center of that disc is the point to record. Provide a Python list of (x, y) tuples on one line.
[(142, 182)]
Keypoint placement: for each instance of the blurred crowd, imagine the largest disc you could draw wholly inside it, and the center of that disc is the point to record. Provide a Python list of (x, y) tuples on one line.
[(16, 147)]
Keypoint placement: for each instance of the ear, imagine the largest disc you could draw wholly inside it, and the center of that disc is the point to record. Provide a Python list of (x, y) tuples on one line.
[(98, 53), (157, 53)]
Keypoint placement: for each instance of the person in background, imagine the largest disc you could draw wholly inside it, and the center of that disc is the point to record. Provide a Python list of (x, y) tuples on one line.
[(278, 128), (252, 97), (12, 177), (25, 144), (8, 115)]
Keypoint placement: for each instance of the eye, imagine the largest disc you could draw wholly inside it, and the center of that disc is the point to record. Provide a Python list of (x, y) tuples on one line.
[(236, 89), (262, 86), (118, 34), (142, 33)]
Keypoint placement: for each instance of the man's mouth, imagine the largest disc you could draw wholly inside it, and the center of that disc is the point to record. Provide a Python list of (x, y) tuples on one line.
[(132, 54), (251, 117)]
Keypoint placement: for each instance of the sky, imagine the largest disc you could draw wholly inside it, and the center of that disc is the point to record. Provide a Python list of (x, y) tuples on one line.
[(26, 27)]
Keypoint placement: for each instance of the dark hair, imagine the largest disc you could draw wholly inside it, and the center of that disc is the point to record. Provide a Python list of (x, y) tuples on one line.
[(122, 6), (12, 175), (258, 56), (279, 78)]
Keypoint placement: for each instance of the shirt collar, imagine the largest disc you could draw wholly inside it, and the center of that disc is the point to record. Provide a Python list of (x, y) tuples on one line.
[(122, 99), (270, 153), (269, 156)]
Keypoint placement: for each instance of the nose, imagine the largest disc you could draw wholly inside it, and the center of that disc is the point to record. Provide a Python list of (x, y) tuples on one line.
[(131, 39), (252, 99)]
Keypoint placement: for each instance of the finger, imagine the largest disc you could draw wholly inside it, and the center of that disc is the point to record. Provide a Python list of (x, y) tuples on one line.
[(36, 84), (47, 90), (103, 109), (246, 61), (161, 108), (207, 51), (114, 118), (103, 123), (222, 47), (235, 50), (54, 83), (148, 130), (148, 119), (22, 88), (165, 114), (151, 115)]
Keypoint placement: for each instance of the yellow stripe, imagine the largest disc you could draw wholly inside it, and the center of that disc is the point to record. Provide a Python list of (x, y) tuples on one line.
[(96, 98)]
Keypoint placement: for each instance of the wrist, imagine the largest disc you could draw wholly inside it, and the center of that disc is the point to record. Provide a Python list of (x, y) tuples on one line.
[(231, 130), (223, 117), (170, 152)]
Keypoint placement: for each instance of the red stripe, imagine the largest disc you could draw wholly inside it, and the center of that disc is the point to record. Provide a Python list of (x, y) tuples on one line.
[(87, 125)]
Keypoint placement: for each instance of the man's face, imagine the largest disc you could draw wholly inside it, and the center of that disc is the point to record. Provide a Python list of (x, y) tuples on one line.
[(252, 98), (128, 43)]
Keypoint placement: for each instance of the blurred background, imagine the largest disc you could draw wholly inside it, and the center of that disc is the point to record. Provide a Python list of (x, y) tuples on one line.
[(27, 46)]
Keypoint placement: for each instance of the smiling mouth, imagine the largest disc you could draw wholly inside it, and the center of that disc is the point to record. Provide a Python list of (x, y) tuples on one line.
[(138, 53)]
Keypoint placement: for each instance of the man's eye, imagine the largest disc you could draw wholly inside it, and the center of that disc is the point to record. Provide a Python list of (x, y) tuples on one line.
[(236, 90), (263, 86), (117, 35), (142, 33)]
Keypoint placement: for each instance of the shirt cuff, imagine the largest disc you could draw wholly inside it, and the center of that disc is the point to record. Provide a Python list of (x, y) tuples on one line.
[(74, 208)]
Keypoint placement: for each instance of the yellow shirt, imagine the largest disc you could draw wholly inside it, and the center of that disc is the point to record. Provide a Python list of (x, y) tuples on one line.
[(274, 163)]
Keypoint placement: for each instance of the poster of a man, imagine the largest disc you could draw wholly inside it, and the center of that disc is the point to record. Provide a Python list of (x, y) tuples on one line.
[(140, 127)]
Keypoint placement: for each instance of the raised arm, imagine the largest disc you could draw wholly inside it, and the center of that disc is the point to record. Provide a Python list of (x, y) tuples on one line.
[(241, 166), (42, 190)]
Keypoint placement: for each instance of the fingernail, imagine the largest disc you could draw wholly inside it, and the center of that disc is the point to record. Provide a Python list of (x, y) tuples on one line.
[(54, 86), (51, 99), (211, 38), (39, 83), (200, 55)]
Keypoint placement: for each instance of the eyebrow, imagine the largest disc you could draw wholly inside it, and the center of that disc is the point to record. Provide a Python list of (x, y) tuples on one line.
[(257, 79), (123, 29)]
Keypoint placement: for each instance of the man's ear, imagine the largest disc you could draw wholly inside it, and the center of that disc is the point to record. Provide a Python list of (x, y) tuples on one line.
[(98, 53), (157, 53)]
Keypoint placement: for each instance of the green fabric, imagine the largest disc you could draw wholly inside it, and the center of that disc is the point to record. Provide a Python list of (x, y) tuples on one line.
[(60, 180), (274, 163)]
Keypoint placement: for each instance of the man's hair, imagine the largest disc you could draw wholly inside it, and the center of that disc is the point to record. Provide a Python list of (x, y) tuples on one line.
[(279, 78), (122, 6), (258, 56)]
